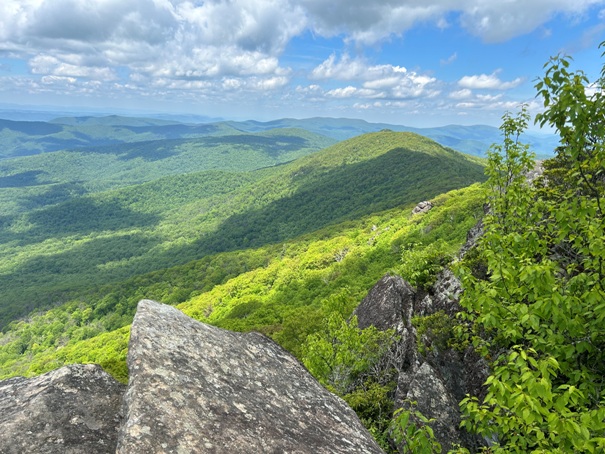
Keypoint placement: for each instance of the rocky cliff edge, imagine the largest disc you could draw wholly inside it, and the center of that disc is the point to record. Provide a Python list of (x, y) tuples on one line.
[(193, 388)]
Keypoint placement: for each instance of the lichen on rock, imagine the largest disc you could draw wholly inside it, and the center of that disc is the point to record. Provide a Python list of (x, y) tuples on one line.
[(198, 388), (71, 410)]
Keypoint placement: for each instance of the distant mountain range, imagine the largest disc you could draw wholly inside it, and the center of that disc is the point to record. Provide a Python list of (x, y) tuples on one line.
[(72, 218), (23, 138)]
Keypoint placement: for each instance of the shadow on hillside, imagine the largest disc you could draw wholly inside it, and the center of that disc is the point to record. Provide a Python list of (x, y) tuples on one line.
[(151, 150), (80, 216), (31, 128), (173, 131), (55, 193), (20, 180), (272, 145), (50, 278), (396, 178)]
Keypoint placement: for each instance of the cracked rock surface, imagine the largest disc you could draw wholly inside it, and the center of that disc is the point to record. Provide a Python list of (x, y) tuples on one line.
[(197, 388), (70, 410)]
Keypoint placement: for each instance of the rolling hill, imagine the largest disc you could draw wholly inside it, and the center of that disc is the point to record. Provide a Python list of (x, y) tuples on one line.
[(52, 254), (284, 290), (475, 139), (20, 138), (24, 138), (35, 181)]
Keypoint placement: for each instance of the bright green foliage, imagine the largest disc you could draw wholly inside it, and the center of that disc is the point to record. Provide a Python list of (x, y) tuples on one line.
[(541, 312), (435, 333), (412, 432), (341, 352), (286, 290), (420, 264), (373, 403), (350, 362), (59, 252)]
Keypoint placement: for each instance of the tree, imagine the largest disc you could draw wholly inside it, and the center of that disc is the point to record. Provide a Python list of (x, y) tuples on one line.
[(539, 316)]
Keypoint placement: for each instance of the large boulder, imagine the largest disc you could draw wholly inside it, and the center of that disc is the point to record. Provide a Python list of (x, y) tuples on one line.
[(436, 378), (388, 305), (197, 388), (71, 410), (435, 401)]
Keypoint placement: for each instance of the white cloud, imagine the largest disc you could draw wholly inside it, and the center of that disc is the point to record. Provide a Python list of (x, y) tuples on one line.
[(48, 80), (154, 39), (46, 64), (345, 69), (368, 22), (488, 81), (494, 21), (149, 34), (451, 59), (489, 97), (345, 92), (375, 81), (497, 21), (461, 94), (216, 49)]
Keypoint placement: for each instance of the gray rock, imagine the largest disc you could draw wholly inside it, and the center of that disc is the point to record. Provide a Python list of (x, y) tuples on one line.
[(197, 388), (438, 379), (472, 237), (435, 401), (422, 207), (74, 409), (387, 305), (442, 296)]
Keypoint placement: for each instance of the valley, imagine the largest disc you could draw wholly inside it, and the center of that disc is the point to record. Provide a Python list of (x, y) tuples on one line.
[(280, 231)]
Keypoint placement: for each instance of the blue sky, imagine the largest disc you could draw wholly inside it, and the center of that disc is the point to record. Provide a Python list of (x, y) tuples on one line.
[(412, 62)]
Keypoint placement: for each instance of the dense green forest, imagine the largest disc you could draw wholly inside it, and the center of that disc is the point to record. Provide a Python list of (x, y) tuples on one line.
[(283, 290), (22, 138), (288, 241), (46, 179), (52, 254)]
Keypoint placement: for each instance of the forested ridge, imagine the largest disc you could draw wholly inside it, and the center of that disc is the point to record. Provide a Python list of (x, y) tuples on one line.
[(51, 254), (290, 250), (23, 138)]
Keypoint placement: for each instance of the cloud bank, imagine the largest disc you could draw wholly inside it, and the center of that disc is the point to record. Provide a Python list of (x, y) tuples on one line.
[(207, 48)]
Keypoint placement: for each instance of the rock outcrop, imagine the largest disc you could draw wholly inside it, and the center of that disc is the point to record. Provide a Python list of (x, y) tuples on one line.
[(72, 410), (193, 389), (383, 307), (197, 388), (436, 379), (422, 207)]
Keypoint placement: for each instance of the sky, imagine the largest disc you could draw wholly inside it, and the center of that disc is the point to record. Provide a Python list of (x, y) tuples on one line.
[(413, 62)]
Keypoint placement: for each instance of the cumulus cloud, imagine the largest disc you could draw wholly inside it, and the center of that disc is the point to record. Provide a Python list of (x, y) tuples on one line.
[(343, 69), (215, 38), (493, 21), (500, 21), (215, 47), (369, 22), (46, 64), (374, 81), (461, 94), (488, 81), (177, 39)]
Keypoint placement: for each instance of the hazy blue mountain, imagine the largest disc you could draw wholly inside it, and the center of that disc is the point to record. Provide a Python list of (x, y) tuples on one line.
[(23, 138), (474, 139)]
